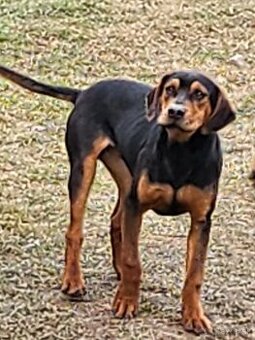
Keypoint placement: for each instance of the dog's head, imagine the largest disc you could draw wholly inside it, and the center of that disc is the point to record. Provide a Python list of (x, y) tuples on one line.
[(185, 102)]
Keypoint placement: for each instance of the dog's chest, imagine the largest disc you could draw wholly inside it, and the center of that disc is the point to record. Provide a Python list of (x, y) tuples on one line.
[(166, 200), (176, 172), (179, 178)]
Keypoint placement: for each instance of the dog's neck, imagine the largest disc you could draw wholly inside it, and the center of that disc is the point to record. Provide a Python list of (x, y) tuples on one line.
[(171, 161), (178, 136), (170, 140)]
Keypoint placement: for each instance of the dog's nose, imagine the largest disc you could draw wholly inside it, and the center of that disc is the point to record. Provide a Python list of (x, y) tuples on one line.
[(176, 111)]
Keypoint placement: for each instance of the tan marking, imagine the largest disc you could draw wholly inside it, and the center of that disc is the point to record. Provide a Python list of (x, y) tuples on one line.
[(197, 113), (153, 195), (196, 85), (175, 82), (195, 261), (77, 207), (196, 201), (74, 235), (89, 169), (100, 144), (166, 101), (127, 296)]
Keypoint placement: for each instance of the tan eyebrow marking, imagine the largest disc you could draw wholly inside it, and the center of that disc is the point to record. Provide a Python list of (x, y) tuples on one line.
[(175, 82), (196, 85)]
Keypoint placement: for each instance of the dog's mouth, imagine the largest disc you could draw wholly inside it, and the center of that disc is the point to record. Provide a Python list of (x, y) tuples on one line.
[(176, 125), (181, 124)]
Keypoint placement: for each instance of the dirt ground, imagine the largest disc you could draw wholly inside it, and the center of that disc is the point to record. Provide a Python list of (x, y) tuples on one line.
[(77, 43)]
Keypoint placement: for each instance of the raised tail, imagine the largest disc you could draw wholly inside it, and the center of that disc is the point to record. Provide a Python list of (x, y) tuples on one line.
[(64, 93)]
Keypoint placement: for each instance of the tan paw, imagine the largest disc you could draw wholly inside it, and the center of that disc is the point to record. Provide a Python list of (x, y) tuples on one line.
[(194, 320), (73, 286), (124, 306)]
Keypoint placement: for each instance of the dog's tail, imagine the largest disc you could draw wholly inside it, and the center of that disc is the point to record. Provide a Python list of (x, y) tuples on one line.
[(64, 93)]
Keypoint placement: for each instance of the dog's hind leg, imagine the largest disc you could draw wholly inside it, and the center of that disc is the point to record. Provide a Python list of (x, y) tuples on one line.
[(115, 233), (83, 162), (121, 175)]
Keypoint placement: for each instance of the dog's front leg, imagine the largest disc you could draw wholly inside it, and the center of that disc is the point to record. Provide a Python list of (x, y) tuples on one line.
[(200, 203), (193, 317), (127, 296)]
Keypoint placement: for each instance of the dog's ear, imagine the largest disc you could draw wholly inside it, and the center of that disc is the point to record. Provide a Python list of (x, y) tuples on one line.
[(152, 104), (222, 115)]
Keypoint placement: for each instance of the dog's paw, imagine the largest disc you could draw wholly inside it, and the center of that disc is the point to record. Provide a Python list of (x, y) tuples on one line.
[(73, 287), (194, 320), (124, 306)]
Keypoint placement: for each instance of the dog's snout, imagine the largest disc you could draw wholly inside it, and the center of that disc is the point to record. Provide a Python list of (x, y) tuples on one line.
[(176, 111)]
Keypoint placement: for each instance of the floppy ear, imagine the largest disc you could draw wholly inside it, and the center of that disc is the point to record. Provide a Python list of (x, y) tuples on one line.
[(222, 115), (152, 104)]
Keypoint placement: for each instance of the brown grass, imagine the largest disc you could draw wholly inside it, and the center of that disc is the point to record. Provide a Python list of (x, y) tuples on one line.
[(77, 43)]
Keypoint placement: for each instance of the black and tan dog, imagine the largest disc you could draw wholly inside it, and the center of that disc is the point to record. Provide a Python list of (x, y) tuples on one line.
[(161, 147)]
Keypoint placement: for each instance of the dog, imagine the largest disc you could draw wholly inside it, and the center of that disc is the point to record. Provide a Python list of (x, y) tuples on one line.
[(161, 147)]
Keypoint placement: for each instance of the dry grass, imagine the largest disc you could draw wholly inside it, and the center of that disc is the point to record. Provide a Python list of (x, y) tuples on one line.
[(77, 43)]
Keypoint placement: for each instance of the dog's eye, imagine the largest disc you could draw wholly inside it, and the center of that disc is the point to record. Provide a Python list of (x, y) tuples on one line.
[(171, 91), (198, 95)]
